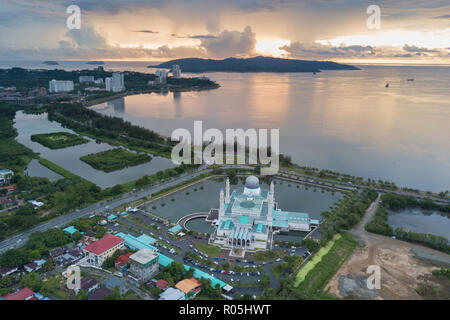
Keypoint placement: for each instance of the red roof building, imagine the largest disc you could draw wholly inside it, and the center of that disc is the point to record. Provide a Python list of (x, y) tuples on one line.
[(122, 260), (106, 243), (102, 249), (24, 294), (162, 284)]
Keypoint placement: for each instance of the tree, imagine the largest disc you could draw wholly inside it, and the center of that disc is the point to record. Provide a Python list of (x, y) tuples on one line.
[(31, 281), (82, 295)]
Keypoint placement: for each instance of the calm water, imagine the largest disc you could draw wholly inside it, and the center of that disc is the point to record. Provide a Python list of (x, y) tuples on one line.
[(35, 169), (69, 158), (206, 196), (419, 221), (341, 120)]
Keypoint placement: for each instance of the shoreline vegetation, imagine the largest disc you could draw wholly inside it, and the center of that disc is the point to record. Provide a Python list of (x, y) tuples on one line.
[(58, 140), (379, 224), (115, 159)]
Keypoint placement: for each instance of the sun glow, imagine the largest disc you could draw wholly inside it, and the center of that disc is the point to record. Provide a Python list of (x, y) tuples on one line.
[(271, 46), (395, 38)]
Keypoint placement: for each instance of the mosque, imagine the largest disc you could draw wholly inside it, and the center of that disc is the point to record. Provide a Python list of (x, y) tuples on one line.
[(248, 218)]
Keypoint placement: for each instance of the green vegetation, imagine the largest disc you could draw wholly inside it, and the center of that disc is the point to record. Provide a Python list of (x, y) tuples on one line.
[(210, 250), (58, 140), (394, 201), (315, 260), (115, 159), (13, 155), (347, 212), (59, 170), (268, 255), (174, 273), (36, 247)]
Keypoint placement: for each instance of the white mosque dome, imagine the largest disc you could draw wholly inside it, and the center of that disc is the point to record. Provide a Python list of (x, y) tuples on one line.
[(252, 182)]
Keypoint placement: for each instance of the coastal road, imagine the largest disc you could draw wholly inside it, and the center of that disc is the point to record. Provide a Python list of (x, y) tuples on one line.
[(21, 238)]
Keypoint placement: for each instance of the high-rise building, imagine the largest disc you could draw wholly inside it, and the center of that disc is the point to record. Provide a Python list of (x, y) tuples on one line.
[(161, 76), (115, 83), (86, 79), (60, 86), (176, 71)]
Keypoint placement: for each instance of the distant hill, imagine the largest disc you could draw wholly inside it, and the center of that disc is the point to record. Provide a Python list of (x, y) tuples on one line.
[(96, 62), (256, 64), (51, 63)]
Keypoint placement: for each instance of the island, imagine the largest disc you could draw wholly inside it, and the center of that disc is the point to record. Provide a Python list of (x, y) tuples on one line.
[(96, 62), (58, 140), (115, 159), (51, 63), (255, 64)]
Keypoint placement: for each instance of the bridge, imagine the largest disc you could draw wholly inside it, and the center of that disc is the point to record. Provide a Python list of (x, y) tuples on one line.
[(182, 222)]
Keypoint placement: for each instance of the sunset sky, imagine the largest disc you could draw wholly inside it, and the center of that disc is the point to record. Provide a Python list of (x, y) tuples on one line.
[(412, 31)]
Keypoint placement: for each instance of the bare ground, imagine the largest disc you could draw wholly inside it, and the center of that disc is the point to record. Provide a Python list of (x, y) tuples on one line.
[(401, 272)]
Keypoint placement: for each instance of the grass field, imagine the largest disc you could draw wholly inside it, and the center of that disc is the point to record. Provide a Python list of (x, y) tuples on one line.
[(208, 249), (315, 275), (58, 140), (61, 171), (115, 159)]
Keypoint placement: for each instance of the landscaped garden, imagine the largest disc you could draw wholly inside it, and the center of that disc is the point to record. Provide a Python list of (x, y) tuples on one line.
[(115, 159), (58, 140)]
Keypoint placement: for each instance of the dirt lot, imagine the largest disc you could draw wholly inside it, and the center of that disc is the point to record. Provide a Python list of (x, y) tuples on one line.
[(401, 271)]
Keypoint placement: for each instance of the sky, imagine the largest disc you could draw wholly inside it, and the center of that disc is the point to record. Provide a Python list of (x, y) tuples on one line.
[(409, 31)]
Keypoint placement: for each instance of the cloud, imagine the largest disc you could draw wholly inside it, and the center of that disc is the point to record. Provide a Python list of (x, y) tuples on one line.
[(413, 48), (230, 43), (445, 16), (317, 50), (146, 31)]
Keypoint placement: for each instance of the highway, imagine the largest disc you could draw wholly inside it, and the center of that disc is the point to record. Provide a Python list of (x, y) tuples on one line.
[(21, 238)]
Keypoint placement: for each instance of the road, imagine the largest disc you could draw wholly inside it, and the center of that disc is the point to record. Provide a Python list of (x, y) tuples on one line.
[(21, 238)]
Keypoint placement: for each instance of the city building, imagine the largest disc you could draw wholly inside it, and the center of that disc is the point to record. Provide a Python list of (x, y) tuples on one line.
[(161, 76), (144, 264), (115, 83), (172, 294), (86, 79), (176, 71), (5, 176), (24, 294), (248, 218), (6, 271), (121, 262), (98, 251), (56, 86), (190, 287)]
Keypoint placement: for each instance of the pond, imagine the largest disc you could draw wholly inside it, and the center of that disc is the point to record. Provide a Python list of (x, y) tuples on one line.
[(69, 158), (418, 220), (35, 169), (205, 195)]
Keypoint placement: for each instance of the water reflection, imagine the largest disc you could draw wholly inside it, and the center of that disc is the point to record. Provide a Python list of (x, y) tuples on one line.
[(341, 120), (69, 158)]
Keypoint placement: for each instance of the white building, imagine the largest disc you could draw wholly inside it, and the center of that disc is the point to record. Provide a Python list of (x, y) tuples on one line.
[(144, 264), (5, 176), (161, 76), (86, 79), (248, 218), (115, 83), (100, 250), (60, 86), (176, 71)]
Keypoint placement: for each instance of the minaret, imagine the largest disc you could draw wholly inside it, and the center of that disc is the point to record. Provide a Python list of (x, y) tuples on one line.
[(221, 204), (227, 191), (270, 209), (272, 189)]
